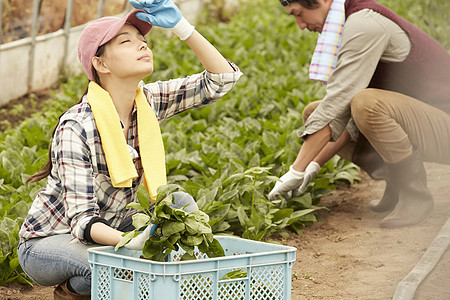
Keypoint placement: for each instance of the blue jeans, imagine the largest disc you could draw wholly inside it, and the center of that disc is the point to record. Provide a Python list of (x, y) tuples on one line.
[(54, 259)]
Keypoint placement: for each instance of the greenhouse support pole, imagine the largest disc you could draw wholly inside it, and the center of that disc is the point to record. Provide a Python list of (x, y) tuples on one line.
[(99, 8), (1, 28), (67, 23), (1, 23), (35, 13)]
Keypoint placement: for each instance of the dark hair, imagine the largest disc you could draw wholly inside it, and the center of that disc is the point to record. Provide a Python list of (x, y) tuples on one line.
[(310, 4), (47, 168)]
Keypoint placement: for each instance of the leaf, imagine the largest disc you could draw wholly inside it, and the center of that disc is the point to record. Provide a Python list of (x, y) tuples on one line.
[(218, 212), (282, 214), (239, 152), (220, 227), (173, 239), (192, 240), (295, 216), (297, 227), (187, 256), (256, 219), (321, 183), (243, 218), (140, 220), (194, 227), (160, 214), (14, 263), (178, 215), (165, 190), (304, 201), (199, 216), (143, 197), (270, 139), (213, 250), (153, 251), (172, 227), (136, 206), (228, 195), (19, 209), (191, 187), (125, 239), (240, 273), (189, 249)]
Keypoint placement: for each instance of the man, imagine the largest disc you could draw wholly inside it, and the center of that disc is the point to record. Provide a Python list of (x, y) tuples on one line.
[(387, 100)]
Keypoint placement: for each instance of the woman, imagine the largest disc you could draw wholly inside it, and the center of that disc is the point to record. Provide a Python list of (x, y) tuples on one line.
[(102, 146)]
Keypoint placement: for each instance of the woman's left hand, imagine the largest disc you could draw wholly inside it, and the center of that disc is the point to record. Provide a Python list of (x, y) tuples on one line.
[(164, 13), (161, 13)]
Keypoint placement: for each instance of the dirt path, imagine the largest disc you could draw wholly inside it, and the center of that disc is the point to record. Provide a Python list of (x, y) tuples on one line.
[(347, 255)]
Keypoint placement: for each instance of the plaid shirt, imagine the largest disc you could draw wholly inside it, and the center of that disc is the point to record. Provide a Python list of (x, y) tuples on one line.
[(79, 187)]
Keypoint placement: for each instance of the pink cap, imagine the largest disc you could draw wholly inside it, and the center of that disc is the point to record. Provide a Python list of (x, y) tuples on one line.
[(101, 31)]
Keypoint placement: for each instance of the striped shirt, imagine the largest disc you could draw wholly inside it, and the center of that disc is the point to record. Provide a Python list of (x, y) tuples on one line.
[(79, 187)]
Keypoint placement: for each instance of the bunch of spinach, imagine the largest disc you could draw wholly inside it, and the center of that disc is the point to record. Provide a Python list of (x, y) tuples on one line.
[(176, 229)]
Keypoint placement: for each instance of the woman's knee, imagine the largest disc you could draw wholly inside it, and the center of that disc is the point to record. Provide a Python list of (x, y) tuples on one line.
[(54, 259), (22, 256)]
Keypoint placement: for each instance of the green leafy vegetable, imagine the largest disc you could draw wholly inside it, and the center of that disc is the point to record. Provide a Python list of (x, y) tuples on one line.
[(176, 228), (240, 273)]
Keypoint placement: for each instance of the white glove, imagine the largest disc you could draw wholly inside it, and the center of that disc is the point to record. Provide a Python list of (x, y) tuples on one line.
[(311, 171), (288, 182), (138, 242), (183, 29)]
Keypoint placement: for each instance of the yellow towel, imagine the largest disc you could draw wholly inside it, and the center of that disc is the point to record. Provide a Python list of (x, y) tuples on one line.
[(120, 166)]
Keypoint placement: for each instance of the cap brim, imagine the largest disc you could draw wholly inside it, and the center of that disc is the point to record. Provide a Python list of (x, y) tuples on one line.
[(142, 26)]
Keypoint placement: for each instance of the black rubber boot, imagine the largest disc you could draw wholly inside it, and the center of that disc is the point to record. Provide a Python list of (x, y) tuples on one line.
[(387, 202), (415, 202), (365, 156)]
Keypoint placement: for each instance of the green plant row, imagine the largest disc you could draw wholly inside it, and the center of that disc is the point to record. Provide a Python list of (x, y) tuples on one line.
[(24, 150)]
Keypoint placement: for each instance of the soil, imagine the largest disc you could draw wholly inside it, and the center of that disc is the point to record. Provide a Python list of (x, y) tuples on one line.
[(18, 110), (348, 255)]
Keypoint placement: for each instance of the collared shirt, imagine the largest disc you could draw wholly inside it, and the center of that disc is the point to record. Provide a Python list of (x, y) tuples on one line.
[(367, 38), (79, 187)]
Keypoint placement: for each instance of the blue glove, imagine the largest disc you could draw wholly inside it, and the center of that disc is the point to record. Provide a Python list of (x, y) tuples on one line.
[(162, 13)]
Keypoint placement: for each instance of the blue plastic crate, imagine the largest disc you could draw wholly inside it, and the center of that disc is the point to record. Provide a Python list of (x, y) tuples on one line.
[(123, 275)]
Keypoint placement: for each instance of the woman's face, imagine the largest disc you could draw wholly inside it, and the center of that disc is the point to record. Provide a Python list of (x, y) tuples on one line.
[(311, 19), (127, 55)]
